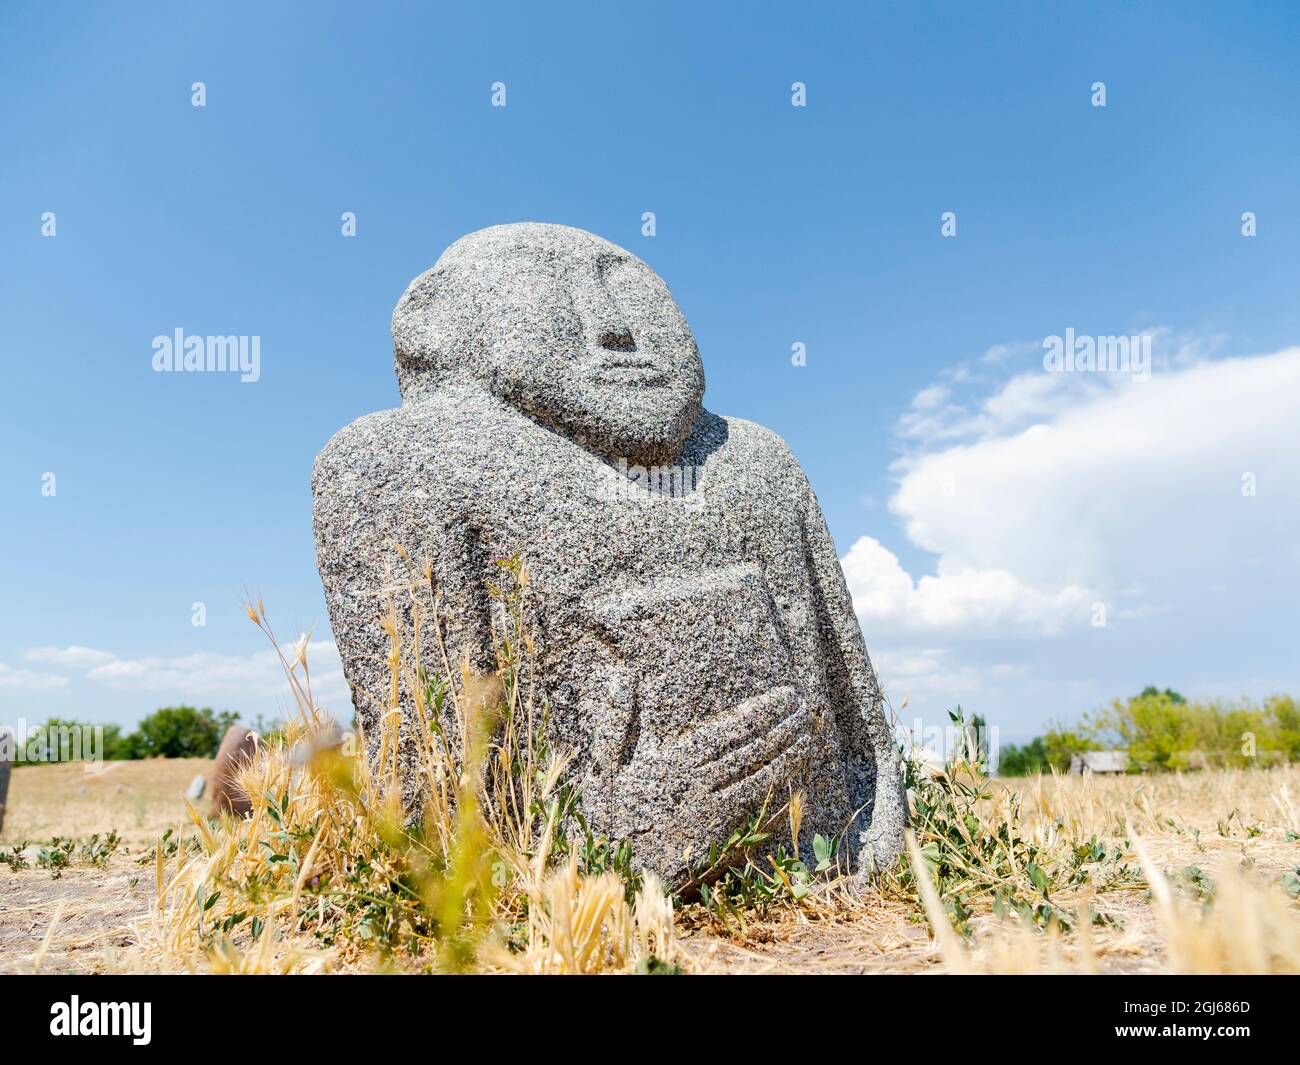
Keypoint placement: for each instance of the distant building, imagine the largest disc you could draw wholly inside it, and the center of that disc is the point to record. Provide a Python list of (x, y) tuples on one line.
[(1099, 762)]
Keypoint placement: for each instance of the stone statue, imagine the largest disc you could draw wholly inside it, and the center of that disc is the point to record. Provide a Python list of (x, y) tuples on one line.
[(695, 639)]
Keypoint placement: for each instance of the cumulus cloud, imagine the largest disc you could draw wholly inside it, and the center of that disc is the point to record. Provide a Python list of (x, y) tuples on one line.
[(988, 599), (28, 680), (74, 657), (1123, 486), (1173, 502), (201, 675), (981, 398)]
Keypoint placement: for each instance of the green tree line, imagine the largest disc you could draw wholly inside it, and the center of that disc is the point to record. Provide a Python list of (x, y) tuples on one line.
[(1162, 730), (169, 732)]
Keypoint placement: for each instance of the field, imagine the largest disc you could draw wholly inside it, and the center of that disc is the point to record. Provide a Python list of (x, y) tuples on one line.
[(1197, 872), (98, 907)]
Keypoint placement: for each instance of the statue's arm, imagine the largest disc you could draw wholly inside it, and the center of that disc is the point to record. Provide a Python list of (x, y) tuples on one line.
[(353, 567), (866, 738), (366, 504)]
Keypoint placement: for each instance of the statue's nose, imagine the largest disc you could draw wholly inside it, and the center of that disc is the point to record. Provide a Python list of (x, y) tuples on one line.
[(607, 326)]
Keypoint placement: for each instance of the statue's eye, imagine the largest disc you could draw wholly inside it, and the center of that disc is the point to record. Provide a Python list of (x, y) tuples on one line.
[(608, 265)]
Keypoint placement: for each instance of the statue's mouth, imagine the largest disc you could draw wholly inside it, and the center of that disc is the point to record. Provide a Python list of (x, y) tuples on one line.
[(630, 369)]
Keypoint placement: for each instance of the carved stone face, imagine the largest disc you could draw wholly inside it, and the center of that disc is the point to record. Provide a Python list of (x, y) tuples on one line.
[(567, 327)]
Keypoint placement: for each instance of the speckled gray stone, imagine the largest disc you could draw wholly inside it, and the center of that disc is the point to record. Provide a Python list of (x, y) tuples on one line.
[(7, 757), (695, 641)]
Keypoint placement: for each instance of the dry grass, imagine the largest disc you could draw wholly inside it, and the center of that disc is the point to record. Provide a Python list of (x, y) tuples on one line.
[(138, 800), (1232, 916), (89, 918), (1180, 820), (329, 871), (1192, 872)]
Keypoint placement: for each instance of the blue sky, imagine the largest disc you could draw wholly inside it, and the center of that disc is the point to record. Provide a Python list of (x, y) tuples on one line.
[(775, 225)]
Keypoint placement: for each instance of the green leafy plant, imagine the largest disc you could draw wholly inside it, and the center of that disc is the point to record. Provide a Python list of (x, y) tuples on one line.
[(96, 851), (15, 857), (57, 856), (970, 838)]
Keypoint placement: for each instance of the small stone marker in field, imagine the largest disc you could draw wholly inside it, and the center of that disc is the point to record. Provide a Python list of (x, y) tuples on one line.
[(7, 756), (237, 749), (696, 643), (195, 791)]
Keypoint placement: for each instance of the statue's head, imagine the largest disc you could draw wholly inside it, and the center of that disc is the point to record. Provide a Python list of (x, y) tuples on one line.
[(567, 327)]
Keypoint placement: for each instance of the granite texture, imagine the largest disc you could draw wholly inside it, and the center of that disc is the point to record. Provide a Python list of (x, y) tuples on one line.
[(7, 758), (695, 640)]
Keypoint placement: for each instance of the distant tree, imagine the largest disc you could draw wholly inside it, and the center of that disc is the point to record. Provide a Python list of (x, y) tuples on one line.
[(64, 740), (179, 732), (1154, 728), (1151, 690), (1062, 744), (1163, 730), (1023, 761), (1285, 714)]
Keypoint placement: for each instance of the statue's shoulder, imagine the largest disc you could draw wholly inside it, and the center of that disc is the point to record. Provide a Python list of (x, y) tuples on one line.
[(386, 444), (362, 446), (755, 436), (757, 443), (747, 452)]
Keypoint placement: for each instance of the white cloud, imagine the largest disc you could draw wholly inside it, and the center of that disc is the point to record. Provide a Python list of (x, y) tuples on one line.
[(988, 404), (27, 679), (1122, 486), (929, 398), (74, 657), (201, 675), (1038, 494), (913, 678), (988, 600)]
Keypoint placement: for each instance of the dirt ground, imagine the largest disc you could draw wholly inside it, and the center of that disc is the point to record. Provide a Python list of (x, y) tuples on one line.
[(90, 914), (139, 800), (96, 919)]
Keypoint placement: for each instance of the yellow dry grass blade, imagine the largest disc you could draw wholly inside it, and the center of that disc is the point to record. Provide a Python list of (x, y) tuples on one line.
[(205, 833), (1247, 927), (950, 946), (48, 938)]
